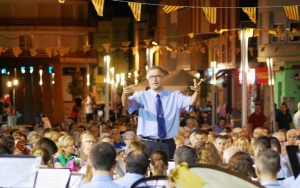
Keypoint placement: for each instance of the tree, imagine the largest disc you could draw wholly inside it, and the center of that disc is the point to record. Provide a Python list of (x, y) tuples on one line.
[(75, 87)]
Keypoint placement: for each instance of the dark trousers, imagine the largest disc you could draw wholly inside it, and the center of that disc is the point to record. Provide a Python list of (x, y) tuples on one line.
[(167, 146), (89, 117)]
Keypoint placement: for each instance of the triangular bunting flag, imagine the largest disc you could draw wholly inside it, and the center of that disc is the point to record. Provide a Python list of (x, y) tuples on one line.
[(64, 50), (124, 49), (237, 50), (147, 41), (290, 35), (98, 4), (293, 48), (272, 32), (133, 50), (17, 51), (162, 50), (106, 47), (99, 50), (126, 43), (276, 49), (202, 49), (72, 50), (86, 48), (251, 12), (191, 35), (32, 52), (169, 49), (4, 49), (250, 50), (169, 9), (48, 52), (189, 49), (262, 49), (210, 14), (295, 30), (54, 51), (136, 10), (292, 12), (255, 32), (112, 49)]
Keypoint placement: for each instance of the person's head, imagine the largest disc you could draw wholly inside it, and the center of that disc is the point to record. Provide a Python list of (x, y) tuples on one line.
[(23, 130), (49, 133), (284, 107), (241, 163), (137, 162), (5, 129), (156, 78), (33, 138), (291, 135), (234, 137), (239, 131), (243, 144), (65, 125), (66, 145), (261, 143), (201, 135), (94, 130), (87, 142), (297, 141), (221, 121), (258, 131), (191, 122), (179, 141), (185, 154), (275, 144), (267, 163), (220, 143), (4, 150), (47, 144), (266, 131), (281, 138), (106, 137), (72, 126), (257, 108), (43, 153), (228, 153), (229, 141), (75, 133), (7, 141), (207, 153), (129, 137), (115, 133), (102, 157), (137, 146), (246, 130), (159, 163)]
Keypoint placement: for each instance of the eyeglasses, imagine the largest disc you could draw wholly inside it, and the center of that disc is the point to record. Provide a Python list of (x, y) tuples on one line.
[(90, 141), (156, 76)]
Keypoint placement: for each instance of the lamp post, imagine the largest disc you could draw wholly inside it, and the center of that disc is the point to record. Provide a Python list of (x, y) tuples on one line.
[(107, 80), (213, 91), (271, 84)]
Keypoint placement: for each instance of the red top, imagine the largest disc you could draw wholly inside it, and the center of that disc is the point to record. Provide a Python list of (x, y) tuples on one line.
[(257, 120)]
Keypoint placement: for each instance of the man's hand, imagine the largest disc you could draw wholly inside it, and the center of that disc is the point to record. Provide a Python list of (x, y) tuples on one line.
[(196, 87), (128, 90)]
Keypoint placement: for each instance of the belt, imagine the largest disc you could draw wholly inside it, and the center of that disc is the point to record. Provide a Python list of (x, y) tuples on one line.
[(155, 140)]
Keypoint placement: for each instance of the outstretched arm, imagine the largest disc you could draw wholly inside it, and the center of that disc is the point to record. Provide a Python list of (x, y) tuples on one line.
[(195, 97), (127, 91)]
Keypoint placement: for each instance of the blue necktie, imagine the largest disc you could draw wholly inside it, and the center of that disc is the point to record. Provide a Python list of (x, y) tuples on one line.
[(160, 118)]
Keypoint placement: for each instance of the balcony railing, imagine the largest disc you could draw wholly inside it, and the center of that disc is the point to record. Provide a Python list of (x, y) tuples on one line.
[(49, 22)]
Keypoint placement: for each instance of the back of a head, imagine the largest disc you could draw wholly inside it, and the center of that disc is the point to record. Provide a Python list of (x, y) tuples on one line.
[(103, 156), (275, 144), (208, 153), (137, 162), (8, 141), (263, 142), (201, 132), (229, 152), (159, 161), (242, 163), (47, 144), (4, 150), (185, 154), (268, 161), (137, 146)]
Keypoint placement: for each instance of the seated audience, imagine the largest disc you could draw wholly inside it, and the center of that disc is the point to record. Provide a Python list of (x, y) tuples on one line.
[(220, 143), (8, 142), (243, 144), (87, 141), (5, 129), (220, 125), (94, 129), (267, 165), (229, 141), (115, 133), (291, 135), (185, 154), (159, 163), (136, 168), (66, 148), (128, 137), (201, 135), (281, 138), (102, 160)]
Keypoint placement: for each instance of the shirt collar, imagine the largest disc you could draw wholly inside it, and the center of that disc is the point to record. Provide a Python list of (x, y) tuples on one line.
[(153, 93), (101, 178), (133, 175), (272, 182)]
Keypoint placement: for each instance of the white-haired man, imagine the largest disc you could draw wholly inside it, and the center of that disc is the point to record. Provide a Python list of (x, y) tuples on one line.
[(297, 117)]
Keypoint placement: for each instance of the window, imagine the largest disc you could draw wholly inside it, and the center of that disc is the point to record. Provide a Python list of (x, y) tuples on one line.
[(295, 26)]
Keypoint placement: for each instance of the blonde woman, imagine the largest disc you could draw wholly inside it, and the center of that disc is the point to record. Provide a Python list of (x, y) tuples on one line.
[(243, 144), (66, 148)]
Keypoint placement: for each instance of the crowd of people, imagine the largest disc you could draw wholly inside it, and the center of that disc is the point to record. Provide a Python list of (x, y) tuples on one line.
[(117, 153)]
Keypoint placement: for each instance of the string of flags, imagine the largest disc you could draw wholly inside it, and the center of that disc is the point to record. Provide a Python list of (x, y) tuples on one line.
[(204, 45)]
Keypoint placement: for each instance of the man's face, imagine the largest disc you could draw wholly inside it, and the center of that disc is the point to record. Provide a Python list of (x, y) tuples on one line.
[(156, 78), (246, 131), (201, 137), (95, 132), (190, 123), (283, 108), (128, 140), (239, 131), (6, 130), (87, 142), (116, 135), (257, 109), (281, 140), (291, 137)]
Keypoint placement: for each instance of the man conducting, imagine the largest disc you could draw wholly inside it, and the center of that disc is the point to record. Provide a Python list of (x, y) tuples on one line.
[(159, 110)]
